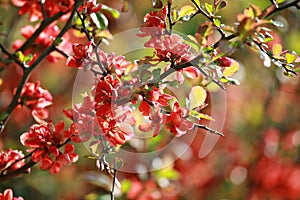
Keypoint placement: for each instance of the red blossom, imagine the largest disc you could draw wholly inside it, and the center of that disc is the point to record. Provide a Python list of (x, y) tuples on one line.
[(114, 64), (33, 7), (43, 41), (157, 119), (90, 6), (45, 141), (154, 23), (176, 122), (37, 99), (8, 195), (115, 121), (225, 61), (7, 158), (81, 51)]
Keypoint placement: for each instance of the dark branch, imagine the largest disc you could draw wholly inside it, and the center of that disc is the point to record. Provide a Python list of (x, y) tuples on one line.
[(209, 129), (13, 57)]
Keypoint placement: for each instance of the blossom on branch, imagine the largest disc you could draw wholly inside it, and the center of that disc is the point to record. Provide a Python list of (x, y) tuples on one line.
[(34, 7), (90, 6), (177, 122), (37, 99), (11, 160), (81, 52), (45, 141), (154, 23)]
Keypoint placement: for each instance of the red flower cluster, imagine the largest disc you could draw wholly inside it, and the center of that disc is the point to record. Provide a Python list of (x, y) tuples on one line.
[(43, 41), (114, 64), (8, 159), (177, 121), (154, 23), (170, 48), (150, 190), (37, 99), (115, 121), (45, 141), (275, 180), (156, 97), (8, 195), (34, 7), (84, 123), (81, 51)]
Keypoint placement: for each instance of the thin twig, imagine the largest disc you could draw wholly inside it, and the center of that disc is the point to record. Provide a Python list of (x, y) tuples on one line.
[(210, 18), (282, 6), (114, 181), (84, 29), (45, 16), (43, 25), (13, 57), (209, 129), (64, 54)]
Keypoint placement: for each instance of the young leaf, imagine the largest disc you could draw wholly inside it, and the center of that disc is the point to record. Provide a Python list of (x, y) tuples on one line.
[(200, 116), (198, 2), (277, 49), (232, 69), (217, 22), (186, 10), (290, 58), (197, 96), (209, 8), (99, 20), (114, 12)]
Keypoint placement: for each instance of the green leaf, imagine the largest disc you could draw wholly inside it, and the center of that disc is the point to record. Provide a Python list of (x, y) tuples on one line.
[(268, 39), (27, 58), (209, 8), (217, 22), (232, 69), (156, 74), (185, 12), (125, 185), (57, 41), (99, 20), (114, 12), (146, 74), (290, 58), (198, 2), (197, 96), (4, 116)]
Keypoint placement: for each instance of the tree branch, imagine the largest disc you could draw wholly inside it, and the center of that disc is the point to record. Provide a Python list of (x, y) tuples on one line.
[(27, 71), (13, 57)]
